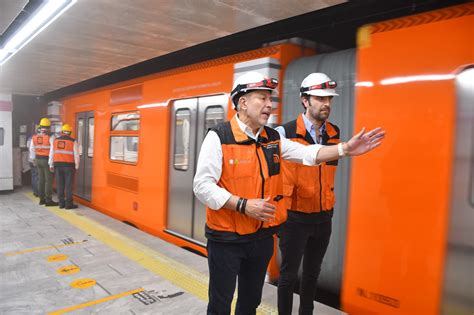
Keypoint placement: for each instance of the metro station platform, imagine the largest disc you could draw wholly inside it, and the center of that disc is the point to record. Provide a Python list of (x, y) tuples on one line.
[(56, 261)]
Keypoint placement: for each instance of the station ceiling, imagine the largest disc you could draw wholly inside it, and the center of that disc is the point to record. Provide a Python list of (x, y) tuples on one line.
[(101, 42), (95, 37)]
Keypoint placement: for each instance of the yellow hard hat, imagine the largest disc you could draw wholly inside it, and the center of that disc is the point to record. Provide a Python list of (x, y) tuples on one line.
[(44, 122), (66, 128)]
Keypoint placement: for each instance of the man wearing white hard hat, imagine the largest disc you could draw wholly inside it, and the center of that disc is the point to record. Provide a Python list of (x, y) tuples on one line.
[(309, 196), (238, 177)]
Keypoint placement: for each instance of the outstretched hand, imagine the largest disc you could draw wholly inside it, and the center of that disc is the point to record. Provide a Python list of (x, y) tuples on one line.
[(364, 142)]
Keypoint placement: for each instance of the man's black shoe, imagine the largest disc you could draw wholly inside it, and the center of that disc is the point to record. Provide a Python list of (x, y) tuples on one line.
[(73, 206), (42, 202), (50, 203), (61, 205)]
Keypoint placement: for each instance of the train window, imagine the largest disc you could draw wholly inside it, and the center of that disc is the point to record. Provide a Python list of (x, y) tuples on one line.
[(80, 130), (125, 121), (124, 136), (182, 134), (2, 135), (214, 115), (90, 143), (124, 148)]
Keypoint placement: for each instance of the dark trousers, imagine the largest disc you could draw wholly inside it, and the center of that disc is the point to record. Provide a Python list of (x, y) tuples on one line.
[(299, 240), (45, 180), (64, 182), (34, 178), (247, 262)]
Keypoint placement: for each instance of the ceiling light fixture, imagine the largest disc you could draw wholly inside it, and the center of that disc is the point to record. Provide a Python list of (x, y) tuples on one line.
[(49, 11)]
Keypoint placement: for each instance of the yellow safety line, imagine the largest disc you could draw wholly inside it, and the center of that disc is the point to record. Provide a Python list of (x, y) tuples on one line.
[(40, 248), (108, 298), (179, 274)]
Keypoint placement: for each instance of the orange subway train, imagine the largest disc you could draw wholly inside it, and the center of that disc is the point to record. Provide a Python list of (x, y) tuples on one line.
[(402, 239)]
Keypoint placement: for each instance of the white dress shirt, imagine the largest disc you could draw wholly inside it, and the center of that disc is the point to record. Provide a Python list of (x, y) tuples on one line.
[(29, 144), (209, 165), (310, 128)]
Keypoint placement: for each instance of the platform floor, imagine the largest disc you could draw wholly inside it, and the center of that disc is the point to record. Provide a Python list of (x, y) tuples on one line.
[(56, 261)]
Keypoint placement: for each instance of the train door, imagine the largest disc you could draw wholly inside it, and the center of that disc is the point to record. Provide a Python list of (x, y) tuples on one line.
[(85, 141), (190, 120)]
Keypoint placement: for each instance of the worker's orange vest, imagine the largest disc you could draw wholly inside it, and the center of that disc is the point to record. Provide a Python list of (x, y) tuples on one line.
[(309, 189), (250, 170), (41, 145), (63, 150)]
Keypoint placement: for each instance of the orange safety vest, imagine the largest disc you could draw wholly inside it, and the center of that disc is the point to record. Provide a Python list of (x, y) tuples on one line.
[(41, 145), (250, 170), (63, 147), (309, 189)]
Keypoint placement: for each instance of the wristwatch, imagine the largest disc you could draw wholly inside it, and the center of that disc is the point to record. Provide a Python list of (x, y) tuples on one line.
[(340, 149)]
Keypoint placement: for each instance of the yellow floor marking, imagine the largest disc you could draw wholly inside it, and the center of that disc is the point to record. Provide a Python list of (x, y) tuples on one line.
[(36, 249), (59, 257), (83, 283), (68, 270), (179, 274), (108, 298)]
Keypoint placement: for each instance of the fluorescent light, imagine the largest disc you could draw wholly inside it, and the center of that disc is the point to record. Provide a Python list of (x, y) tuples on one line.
[(3, 54), (365, 83), (44, 16), (414, 78), (166, 103)]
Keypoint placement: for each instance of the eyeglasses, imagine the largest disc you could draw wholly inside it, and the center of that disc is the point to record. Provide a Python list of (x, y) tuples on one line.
[(325, 85), (270, 83)]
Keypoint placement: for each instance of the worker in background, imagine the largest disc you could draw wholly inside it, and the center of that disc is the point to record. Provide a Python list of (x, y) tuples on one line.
[(238, 177), (64, 159), (33, 168), (309, 193), (39, 154)]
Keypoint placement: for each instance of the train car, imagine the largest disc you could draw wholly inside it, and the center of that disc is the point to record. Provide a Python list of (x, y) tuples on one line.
[(409, 239), (139, 140), (402, 232), (6, 148)]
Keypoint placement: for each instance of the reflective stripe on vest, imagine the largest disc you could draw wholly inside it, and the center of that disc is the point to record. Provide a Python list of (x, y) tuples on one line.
[(309, 189), (41, 144), (63, 150), (249, 170)]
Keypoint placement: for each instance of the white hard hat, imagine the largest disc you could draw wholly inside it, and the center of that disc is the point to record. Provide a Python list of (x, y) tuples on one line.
[(250, 81), (318, 84)]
